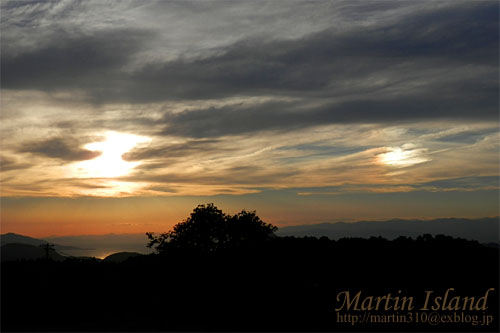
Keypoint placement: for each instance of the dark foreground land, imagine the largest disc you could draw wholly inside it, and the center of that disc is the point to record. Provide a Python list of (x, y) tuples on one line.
[(284, 284)]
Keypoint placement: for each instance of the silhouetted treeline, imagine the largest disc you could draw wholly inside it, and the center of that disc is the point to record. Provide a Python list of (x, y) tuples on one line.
[(280, 284)]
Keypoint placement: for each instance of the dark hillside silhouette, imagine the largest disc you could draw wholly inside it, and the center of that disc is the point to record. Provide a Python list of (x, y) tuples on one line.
[(216, 272), (101, 245), (15, 251), (121, 256), (12, 238)]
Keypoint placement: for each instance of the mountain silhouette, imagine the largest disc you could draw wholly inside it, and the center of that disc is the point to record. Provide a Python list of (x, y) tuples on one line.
[(13, 238), (102, 245), (485, 230), (16, 251), (121, 256), (84, 246)]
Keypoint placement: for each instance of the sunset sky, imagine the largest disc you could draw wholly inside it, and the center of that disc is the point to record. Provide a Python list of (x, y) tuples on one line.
[(122, 116)]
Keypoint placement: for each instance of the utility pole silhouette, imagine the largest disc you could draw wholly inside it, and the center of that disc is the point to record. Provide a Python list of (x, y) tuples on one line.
[(47, 247)]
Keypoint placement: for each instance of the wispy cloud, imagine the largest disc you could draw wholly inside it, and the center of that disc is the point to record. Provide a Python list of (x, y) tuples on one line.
[(238, 98)]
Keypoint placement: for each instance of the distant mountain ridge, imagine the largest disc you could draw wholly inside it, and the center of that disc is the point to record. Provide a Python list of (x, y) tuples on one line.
[(103, 245), (484, 230), (12, 238), (98, 246)]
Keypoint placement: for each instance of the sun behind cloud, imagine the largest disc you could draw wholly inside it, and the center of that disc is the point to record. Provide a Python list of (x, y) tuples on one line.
[(110, 163), (403, 156)]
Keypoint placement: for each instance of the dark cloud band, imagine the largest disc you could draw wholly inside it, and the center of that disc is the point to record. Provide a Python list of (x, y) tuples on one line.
[(65, 149), (327, 64)]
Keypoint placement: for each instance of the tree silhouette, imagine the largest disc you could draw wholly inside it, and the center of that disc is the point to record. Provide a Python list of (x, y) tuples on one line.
[(208, 229)]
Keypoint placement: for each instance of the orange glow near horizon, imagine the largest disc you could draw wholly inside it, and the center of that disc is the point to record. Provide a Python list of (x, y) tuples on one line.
[(43, 217)]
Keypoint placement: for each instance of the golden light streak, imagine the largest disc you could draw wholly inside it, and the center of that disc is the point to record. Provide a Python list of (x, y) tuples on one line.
[(110, 163), (402, 157)]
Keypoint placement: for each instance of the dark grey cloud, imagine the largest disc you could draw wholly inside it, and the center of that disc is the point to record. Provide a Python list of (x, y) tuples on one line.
[(468, 137), (7, 164), (287, 116), (91, 63), (319, 65), (244, 175), (464, 182), (317, 150), (451, 184), (162, 189), (178, 150), (66, 149)]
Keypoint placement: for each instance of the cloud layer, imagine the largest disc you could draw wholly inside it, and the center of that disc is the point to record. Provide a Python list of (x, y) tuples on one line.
[(324, 97)]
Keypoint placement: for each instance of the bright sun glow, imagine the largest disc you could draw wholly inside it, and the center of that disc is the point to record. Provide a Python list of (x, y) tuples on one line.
[(401, 157), (110, 163)]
